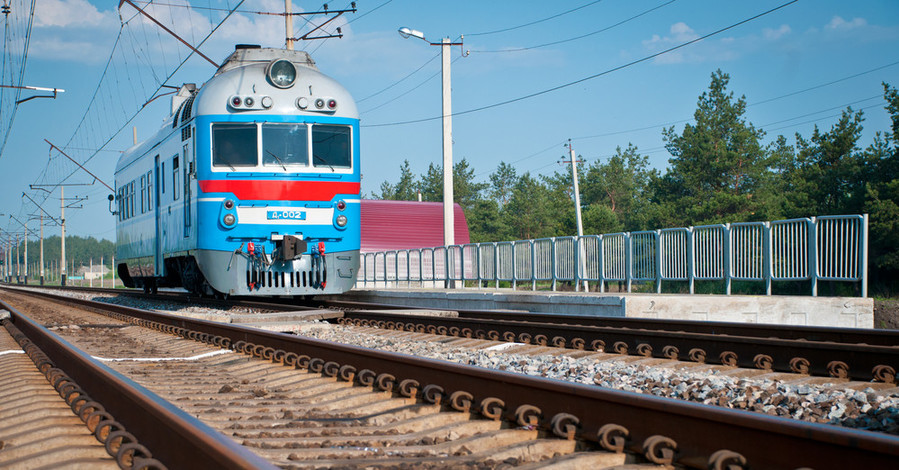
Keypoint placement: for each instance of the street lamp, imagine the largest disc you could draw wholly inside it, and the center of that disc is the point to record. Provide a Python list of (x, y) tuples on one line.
[(448, 216)]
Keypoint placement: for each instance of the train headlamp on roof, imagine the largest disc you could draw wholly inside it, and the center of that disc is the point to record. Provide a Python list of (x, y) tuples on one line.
[(281, 73)]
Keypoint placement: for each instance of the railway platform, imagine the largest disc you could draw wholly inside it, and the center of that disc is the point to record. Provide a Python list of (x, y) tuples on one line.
[(847, 312)]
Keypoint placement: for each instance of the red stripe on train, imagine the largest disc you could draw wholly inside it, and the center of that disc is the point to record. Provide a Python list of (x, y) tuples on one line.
[(257, 190)]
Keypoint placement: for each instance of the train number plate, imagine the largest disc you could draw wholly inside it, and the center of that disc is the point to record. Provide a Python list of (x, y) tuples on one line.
[(286, 215)]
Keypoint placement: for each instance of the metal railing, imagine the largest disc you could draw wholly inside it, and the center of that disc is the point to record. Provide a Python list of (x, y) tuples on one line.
[(827, 248)]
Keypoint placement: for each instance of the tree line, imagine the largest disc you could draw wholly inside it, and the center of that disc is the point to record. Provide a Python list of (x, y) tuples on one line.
[(720, 171), (80, 249)]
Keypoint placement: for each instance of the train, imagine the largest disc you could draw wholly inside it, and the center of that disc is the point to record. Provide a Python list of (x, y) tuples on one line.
[(250, 187)]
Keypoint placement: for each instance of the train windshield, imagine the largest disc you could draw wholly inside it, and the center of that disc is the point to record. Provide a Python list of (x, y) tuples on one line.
[(282, 147), (285, 145), (331, 146), (234, 145)]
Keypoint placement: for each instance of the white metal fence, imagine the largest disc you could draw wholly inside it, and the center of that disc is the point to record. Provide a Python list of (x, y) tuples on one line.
[(827, 248)]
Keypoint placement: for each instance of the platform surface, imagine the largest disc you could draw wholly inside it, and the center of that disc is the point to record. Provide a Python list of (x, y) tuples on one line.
[(847, 312)]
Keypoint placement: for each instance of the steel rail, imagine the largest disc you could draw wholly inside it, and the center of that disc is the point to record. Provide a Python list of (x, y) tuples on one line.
[(175, 438), (856, 361), (760, 330), (672, 431)]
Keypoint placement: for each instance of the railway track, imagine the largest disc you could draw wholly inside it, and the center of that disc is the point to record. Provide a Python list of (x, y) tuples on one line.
[(842, 353), (305, 403)]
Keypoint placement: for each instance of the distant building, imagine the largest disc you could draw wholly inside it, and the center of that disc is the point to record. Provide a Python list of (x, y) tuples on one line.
[(398, 225), (96, 271)]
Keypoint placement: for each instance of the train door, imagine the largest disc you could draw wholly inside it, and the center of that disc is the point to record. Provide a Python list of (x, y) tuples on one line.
[(188, 171), (158, 189)]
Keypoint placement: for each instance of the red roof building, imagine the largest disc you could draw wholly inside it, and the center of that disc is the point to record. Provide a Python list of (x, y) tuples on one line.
[(398, 225)]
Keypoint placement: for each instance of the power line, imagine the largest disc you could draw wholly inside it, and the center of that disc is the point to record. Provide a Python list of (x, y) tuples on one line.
[(825, 84), (597, 75), (534, 22), (581, 36), (400, 80)]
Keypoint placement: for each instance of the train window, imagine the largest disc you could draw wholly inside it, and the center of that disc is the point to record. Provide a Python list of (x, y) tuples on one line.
[(331, 146), (175, 178), (284, 145), (143, 192), (149, 191), (234, 145), (131, 199)]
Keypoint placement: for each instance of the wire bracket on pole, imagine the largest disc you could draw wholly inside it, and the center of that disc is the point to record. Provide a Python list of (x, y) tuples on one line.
[(324, 11), (79, 165)]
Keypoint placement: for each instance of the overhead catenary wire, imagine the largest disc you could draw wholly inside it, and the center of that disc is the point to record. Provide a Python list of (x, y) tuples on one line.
[(96, 109)]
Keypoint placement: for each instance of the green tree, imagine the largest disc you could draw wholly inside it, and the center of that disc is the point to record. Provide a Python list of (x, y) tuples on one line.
[(718, 164), (531, 212), (466, 191), (406, 189), (830, 169), (622, 185), (882, 198), (501, 183)]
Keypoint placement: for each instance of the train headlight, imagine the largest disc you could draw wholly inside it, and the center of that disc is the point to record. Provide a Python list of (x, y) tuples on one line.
[(282, 73), (341, 220), (228, 219), (341, 205), (229, 204)]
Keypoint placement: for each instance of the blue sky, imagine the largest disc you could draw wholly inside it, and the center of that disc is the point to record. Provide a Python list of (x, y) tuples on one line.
[(517, 48)]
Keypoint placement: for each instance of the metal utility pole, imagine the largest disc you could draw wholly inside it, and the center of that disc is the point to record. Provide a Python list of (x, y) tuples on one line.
[(18, 267), (41, 216), (62, 220), (42, 249), (23, 224)]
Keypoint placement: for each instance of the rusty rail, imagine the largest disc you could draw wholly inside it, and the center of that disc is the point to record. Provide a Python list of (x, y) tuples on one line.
[(176, 438)]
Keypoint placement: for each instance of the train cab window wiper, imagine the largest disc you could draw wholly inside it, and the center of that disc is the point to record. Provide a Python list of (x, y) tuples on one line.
[(323, 161), (280, 162)]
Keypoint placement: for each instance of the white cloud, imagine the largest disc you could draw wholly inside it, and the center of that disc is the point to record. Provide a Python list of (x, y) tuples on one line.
[(839, 24), (775, 34), (70, 13)]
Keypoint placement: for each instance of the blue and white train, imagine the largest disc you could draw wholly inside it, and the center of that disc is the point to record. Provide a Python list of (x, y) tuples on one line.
[(251, 186)]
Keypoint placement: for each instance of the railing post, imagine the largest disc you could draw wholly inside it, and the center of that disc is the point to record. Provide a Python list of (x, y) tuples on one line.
[(658, 261), (552, 262), (628, 260), (496, 263), (813, 254), (602, 264), (691, 262), (725, 247), (863, 262), (533, 265), (767, 258)]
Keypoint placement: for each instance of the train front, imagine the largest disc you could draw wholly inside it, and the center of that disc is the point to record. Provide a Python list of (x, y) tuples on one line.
[(278, 177)]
